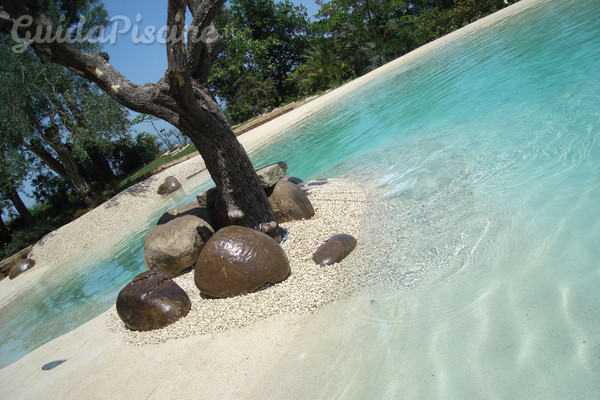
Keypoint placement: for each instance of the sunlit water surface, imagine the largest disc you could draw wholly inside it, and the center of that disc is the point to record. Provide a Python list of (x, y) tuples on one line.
[(488, 155), (486, 158)]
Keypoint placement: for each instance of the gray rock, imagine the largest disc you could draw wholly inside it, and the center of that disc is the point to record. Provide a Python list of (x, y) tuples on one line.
[(289, 202), (18, 269), (152, 301), (170, 185), (335, 249), (238, 260), (270, 174), (174, 244)]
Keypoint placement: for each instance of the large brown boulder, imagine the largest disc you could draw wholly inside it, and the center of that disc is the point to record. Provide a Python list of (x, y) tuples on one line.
[(151, 301), (238, 260), (21, 267), (289, 202), (174, 244), (335, 249), (170, 185)]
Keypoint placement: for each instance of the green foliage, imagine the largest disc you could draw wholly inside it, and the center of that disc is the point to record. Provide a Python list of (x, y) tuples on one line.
[(323, 69), (131, 153), (52, 191), (146, 169), (264, 43)]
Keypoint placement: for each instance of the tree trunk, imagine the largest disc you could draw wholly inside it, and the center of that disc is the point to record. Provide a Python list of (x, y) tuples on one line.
[(21, 209), (231, 170), (101, 164), (69, 164), (36, 147)]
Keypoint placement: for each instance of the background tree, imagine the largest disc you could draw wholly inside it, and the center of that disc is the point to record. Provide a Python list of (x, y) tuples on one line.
[(181, 98), (265, 41), (61, 118), (323, 68)]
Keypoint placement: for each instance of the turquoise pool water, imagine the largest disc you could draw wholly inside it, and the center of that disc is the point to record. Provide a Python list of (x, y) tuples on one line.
[(79, 290), (487, 153)]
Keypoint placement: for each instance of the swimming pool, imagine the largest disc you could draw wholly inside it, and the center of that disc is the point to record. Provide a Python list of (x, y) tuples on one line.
[(487, 152)]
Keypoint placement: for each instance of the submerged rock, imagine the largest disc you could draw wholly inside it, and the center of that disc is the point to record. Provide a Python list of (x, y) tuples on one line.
[(18, 269), (174, 244), (152, 301), (238, 260), (170, 185), (289, 202), (335, 249), (52, 365)]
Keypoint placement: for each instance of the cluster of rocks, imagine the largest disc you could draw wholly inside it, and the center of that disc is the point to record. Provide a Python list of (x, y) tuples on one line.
[(228, 260)]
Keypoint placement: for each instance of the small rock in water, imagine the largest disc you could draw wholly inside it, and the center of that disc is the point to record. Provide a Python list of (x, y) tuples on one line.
[(293, 179), (52, 365), (335, 249), (18, 269), (170, 185)]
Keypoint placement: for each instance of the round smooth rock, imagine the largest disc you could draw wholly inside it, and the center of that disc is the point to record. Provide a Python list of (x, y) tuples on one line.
[(18, 269), (335, 249), (174, 246), (289, 202), (152, 301), (238, 260), (170, 185)]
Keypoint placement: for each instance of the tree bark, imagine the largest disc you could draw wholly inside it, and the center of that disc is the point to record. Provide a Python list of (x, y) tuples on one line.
[(21, 208), (36, 147), (233, 174)]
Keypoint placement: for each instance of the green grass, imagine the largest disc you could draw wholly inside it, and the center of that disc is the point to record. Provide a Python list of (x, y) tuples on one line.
[(136, 175)]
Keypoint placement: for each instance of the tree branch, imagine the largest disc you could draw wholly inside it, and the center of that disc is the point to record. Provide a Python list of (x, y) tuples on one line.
[(178, 74), (203, 40), (211, 46), (94, 67)]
